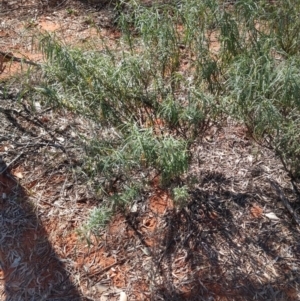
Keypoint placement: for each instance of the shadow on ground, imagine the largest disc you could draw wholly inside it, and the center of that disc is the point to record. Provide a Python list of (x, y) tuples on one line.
[(30, 268), (213, 249)]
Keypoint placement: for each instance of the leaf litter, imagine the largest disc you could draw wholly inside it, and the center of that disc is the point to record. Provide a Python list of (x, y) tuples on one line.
[(225, 244)]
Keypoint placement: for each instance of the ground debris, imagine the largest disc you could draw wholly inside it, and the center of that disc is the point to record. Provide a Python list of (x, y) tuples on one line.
[(232, 241)]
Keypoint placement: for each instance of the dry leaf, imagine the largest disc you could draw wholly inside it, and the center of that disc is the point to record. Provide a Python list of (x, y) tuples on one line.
[(209, 139), (37, 106), (44, 119), (123, 297), (213, 215), (100, 289), (272, 215), (256, 211), (18, 174)]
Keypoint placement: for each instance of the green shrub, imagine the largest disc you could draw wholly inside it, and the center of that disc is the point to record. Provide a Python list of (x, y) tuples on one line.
[(163, 86), (181, 196), (99, 217)]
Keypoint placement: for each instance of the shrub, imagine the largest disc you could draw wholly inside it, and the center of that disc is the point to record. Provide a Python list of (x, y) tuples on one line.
[(163, 86)]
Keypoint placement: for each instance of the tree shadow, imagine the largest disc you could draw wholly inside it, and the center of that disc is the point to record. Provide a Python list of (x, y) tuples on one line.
[(30, 267)]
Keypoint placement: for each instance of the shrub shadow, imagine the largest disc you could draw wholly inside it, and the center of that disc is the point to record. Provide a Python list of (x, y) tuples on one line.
[(230, 254)]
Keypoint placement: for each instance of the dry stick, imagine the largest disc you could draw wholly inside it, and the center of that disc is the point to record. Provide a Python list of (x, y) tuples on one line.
[(285, 201), (8, 56), (4, 168), (99, 272)]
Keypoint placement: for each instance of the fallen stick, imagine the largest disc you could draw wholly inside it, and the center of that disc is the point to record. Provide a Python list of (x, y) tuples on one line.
[(99, 272), (285, 201), (8, 56)]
